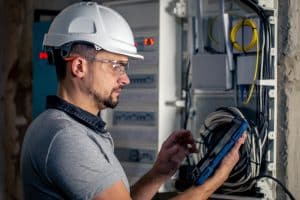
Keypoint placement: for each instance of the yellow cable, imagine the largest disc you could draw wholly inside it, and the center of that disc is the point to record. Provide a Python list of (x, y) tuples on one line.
[(254, 41), (236, 28), (256, 69)]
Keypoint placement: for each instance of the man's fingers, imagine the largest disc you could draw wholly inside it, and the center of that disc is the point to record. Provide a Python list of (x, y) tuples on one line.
[(172, 150), (239, 143), (182, 152), (176, 137), (183, 138), (179, 156), (233, 155)]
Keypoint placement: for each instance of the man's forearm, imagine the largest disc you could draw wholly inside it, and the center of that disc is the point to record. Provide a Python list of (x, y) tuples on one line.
[(147, 186)]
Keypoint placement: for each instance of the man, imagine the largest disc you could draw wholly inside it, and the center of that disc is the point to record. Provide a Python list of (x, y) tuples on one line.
[(67, 153)]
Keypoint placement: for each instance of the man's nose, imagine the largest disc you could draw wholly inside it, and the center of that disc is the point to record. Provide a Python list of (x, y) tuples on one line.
[(124, 79)]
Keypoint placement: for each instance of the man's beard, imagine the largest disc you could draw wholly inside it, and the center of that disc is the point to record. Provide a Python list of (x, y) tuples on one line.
[(107, 102), (99, 100)]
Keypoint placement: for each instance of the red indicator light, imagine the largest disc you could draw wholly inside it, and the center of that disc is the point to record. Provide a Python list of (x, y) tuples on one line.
[(149, 41), (43, 55)]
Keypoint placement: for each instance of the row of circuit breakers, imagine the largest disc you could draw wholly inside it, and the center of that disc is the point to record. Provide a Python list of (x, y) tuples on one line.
[(134, 124)]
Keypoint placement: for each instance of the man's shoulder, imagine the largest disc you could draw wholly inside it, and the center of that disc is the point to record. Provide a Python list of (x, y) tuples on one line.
[(49, 124), (56, 120)]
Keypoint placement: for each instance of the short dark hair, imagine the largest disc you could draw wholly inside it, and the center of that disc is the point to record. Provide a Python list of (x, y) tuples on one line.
[(86, 50)]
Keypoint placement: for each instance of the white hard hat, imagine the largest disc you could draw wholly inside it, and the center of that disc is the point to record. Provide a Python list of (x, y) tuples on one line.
[(92, 23)]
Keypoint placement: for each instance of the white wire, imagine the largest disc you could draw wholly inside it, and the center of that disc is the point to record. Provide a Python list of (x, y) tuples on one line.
[(252, 146)]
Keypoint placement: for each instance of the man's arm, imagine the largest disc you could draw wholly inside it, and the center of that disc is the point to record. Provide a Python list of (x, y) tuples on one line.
[(117, 191), (173, 151), (205, 190), (169, 159)]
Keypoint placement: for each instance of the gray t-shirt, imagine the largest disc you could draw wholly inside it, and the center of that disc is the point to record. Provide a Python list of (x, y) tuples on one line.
[(64, 159)]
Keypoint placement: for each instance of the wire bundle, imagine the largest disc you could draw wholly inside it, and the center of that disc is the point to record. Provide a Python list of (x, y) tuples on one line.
[(252, 164), (237, 27), (254, 42), (248, 167), (265, 46)]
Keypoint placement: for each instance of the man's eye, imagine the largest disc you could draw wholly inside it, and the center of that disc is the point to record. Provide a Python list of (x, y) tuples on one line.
[(118, 67), (121, 68)]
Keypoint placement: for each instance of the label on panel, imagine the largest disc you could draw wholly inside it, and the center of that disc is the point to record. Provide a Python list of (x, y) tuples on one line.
[(142, 81), (135, 155), (134, 118)]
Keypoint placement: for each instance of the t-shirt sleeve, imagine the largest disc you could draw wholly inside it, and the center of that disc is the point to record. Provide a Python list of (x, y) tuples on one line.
[(78, 166)]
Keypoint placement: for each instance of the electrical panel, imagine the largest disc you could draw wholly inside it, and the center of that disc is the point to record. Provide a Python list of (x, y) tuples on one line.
[(137, 117), (143, 119), (231, 47), (245, 69), (213, 72)]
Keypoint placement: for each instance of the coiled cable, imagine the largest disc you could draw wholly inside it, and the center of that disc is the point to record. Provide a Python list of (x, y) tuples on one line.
[(248, 167), (236, 28)]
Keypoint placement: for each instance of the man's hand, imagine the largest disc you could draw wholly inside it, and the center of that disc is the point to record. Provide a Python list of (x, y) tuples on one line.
[(230, 160), (204, 191), (178, 145), (173, 151)]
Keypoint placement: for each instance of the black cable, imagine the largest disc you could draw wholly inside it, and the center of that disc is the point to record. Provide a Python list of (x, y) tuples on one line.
[(213, 128), (264, 46), (279, 183), (187, 95), (263, 114), (187, 102), (243, 36), (267, 33)]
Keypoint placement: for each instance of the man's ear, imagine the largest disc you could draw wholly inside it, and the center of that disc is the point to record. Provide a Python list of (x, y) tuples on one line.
[(78, 67)]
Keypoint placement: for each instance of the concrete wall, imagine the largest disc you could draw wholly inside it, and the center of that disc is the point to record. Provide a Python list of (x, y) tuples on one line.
[(289, 94), (14, 68), (2, 39)]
